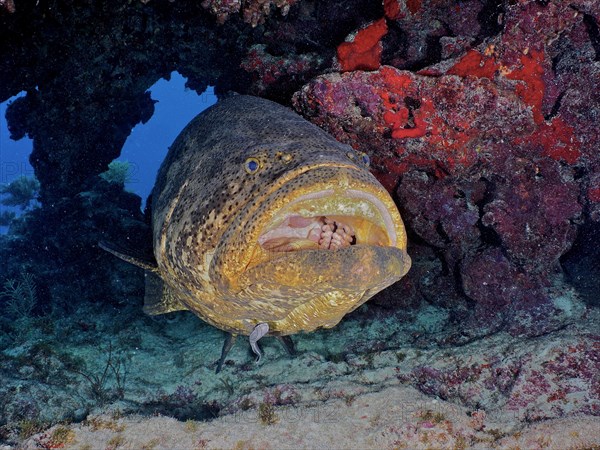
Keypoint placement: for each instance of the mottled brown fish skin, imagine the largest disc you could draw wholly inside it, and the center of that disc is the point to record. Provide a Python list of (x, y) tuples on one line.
[(208, 212)]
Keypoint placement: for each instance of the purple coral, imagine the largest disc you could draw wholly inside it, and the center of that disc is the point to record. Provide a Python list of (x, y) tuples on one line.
[(487, 168), (254, 12)]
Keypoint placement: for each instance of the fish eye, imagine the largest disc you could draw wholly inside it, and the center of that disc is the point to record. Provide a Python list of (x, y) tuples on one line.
[(365, 159), (252, 165), (350, 155)]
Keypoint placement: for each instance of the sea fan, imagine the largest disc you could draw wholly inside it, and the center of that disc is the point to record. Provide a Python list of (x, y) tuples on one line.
[(20, 295)]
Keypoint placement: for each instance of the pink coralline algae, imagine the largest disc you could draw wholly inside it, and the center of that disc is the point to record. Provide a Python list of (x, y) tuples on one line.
[(420, 27), (549, 379), (533, 206), (442, 124), (567, 381), (270, 72), (7, 5), (486, 381), (253, 12)]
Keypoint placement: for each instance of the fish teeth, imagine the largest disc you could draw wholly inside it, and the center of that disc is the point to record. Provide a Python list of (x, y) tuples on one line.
[(335, 235)]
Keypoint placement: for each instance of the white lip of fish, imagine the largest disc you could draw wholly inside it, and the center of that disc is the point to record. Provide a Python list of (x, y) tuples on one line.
[(385, 214)]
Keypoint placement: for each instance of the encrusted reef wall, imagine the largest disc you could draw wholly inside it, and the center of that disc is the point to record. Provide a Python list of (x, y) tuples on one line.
[(480, 116), (489, 142)]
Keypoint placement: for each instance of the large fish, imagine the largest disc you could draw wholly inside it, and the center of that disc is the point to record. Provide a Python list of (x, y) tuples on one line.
[(264, 224)]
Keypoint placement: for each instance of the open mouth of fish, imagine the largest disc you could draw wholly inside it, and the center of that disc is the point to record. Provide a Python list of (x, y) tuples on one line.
[(326, 220)]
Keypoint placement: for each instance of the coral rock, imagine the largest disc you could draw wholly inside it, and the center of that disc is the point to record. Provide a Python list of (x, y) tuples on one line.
[(491, 151), (254, 12)]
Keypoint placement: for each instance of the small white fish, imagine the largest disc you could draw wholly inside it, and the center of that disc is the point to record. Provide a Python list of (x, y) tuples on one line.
[(259, 331)]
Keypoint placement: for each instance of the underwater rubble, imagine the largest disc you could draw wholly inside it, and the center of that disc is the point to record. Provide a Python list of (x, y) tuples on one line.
[(107, 376)]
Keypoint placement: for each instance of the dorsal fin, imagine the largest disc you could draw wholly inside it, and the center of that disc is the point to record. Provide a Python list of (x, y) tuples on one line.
[(129, 256)]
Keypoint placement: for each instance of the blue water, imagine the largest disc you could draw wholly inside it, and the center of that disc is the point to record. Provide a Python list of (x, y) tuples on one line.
[(145, 148), (148, 143)]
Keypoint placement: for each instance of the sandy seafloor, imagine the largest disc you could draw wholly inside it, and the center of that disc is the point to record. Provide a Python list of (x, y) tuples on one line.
[(377, 380)]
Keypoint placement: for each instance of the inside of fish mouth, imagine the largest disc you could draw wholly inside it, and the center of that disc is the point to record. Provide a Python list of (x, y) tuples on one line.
[(329, 232)]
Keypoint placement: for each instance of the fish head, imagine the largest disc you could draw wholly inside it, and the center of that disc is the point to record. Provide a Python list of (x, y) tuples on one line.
[(318, 237)]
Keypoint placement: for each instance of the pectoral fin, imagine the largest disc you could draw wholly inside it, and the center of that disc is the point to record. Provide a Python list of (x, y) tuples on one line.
[(145, 262), (159, 298), (229, 341)]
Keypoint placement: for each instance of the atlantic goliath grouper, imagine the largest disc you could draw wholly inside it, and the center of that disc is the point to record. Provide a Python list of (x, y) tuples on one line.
[(263, 224)]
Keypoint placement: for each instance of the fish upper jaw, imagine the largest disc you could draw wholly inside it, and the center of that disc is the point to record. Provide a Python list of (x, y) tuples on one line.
[(328, 208)]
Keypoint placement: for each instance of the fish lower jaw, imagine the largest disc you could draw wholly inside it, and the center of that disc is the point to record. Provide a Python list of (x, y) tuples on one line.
[(302, 291), (322, 312)]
